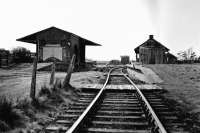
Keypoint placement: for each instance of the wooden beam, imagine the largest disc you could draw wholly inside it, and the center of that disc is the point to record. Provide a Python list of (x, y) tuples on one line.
[(69, 71), (52, 77), (37, 49), (33, 80)]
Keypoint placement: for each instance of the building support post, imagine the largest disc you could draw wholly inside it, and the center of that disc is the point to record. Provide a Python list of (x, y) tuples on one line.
[(82, 55), (37, 50)]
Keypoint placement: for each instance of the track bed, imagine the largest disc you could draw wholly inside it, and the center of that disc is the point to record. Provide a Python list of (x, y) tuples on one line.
[(118, 111)]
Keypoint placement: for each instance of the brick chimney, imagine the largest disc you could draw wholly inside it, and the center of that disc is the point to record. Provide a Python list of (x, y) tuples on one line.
[(150, 36)]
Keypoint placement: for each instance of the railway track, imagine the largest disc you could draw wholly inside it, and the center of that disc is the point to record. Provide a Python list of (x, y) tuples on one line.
[(117, 111)]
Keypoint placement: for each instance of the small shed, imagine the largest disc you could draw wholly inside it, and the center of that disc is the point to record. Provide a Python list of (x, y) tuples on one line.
[(151, 52), (54, 43), (125, 59), (170, 58), (5, 58)]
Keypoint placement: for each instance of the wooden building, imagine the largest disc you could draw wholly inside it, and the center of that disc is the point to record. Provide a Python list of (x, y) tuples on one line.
[(125, 59), (5, 58), (54, 43), (170, 58), (151, 52)]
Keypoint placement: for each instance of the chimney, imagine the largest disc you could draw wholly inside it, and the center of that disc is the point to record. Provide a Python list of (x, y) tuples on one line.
[(150, 36)]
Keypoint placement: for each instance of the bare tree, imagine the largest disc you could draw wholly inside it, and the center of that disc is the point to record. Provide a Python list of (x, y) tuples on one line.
[(188, 56)]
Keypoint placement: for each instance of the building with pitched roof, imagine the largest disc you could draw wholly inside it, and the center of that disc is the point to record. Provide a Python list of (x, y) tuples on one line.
[(152, 52), (54, 43)]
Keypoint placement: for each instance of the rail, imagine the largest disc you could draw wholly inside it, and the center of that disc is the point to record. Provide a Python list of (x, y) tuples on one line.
[(154, 120), (76, 126), (159, 128)]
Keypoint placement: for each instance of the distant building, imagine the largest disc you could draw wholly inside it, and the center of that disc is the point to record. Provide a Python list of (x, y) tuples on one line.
[(114, 62), (53, 43), (152, 52), (125, 59), (170, 58), (5, 58)]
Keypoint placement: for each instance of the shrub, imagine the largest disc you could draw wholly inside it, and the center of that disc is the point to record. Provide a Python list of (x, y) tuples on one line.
[(44, 91), (48, 90), (21, 55), (3, 126), (8, 113), (25, 105)]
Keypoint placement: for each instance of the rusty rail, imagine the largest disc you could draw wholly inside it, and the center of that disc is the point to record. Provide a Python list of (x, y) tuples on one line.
[(158, 126), (76, 126)]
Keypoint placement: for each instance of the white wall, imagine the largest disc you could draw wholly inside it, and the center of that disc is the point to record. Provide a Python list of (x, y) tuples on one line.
[(52, 51)]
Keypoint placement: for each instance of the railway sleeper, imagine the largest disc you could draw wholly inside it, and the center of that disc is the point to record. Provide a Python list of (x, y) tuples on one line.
[(78, 107), (120, 108), (82, 103), (115, 112), (56, 129), (86, 98), (119, 125), (120, 99), (121, 102), (107, 130), (119, 94), (119, 118)]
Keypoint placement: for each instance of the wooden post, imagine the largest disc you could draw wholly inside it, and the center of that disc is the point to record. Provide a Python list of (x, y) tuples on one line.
[(34, 72), (136, 57), (52, 72), (33, 80), (69, 71)]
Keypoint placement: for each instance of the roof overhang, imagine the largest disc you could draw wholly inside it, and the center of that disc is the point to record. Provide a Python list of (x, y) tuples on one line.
[(33, 38), (90, 43)]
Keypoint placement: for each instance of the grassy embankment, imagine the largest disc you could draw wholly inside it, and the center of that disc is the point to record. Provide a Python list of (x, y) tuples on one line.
[(182, 83)]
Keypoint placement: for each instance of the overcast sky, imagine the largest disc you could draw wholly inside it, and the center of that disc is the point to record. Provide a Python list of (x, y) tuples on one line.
[(118, 25)]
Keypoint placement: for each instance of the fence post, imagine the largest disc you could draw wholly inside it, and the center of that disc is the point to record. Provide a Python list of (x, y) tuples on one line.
[(52, 73), (69, 71), (33, 80)]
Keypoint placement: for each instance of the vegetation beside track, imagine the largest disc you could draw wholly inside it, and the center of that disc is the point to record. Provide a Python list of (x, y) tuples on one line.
[(24, 115), (181, 83)]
